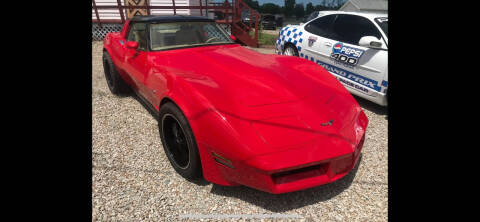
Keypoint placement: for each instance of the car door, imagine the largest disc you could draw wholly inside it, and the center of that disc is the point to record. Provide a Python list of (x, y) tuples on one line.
[(359, 68), (316, 45), (135, 59)]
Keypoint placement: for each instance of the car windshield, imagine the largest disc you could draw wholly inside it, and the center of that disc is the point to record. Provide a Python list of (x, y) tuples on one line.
[(185, 34), (383, 23)]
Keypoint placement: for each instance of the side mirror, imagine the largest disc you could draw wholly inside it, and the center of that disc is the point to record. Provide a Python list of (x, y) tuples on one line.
[(132, 45), (370, 42), (233, 38)]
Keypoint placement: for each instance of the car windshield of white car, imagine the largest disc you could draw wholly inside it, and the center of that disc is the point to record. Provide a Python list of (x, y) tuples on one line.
[(383, 23), (186, 34)]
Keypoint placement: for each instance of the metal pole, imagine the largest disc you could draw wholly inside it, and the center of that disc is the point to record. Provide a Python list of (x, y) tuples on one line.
[(148, 7), (96, 13), (174, 11), (120, 10), (201, 11)]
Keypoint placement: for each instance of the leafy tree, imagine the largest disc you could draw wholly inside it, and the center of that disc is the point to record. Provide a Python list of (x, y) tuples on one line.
[(252, 4), (289, 8), (324, 3), (339, 4), (320, 8), (299, 11), (270, 8), (309, 9)]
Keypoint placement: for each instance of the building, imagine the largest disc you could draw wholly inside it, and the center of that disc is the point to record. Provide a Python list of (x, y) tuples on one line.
[(111, 19), (375, 6), (114, 14), (109, 15)]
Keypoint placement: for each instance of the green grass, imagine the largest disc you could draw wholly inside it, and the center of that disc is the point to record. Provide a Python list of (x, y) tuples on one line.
[(264, 38)]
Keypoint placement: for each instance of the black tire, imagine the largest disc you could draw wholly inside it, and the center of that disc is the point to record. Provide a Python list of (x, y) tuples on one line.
[(290, 47), (114, 81), (179, 144)]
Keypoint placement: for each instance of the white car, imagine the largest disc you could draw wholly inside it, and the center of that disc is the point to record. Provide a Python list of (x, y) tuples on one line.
[(352, 46)]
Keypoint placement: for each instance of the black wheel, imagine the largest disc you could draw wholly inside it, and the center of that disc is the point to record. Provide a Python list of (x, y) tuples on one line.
[(114, 81), (179, 142), (290, 50)]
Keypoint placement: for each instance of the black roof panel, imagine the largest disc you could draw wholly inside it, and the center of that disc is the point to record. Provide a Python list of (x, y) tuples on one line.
[(171, 18)]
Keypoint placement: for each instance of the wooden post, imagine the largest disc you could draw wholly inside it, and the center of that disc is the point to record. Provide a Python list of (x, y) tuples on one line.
[(206, 8), (257, 19), (201, 11), (251, 18), (236, 7), (233, 13), (174, 10), (96, 13), (120, 10), (148, 6)]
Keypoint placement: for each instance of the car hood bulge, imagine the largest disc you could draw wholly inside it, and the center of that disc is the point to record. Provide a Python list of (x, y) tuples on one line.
[(248, 77)]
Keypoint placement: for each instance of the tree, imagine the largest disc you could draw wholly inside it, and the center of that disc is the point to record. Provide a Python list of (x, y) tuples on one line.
[(340, 3), (309, 9), (320, 7), (324, 3), (252, 4), (270, 8), (289, 8), (299, 11)]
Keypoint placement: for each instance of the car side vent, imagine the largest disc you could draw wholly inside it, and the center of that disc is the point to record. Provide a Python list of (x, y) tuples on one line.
[(222, 160)]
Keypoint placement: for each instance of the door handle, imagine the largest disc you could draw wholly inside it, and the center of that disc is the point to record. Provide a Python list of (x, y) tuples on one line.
[(328, 44)]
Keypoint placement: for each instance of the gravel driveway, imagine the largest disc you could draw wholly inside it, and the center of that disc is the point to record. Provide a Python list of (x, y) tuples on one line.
[(273, 32), (133, 181)]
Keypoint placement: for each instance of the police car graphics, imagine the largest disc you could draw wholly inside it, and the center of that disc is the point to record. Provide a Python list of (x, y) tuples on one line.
[(365, 78)]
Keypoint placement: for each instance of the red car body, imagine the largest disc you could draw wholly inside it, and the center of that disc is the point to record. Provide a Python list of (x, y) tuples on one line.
[(281, 123)]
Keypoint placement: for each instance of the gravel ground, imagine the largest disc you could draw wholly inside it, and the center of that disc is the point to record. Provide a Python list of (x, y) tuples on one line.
[(133, 181), (273, 32)]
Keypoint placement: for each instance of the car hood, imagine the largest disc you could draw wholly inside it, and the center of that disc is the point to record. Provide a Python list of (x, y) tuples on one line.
[(234, 72), (285, 100)]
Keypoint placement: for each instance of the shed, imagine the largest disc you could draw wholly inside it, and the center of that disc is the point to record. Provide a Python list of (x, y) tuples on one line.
[(374, 6), (114, 14)]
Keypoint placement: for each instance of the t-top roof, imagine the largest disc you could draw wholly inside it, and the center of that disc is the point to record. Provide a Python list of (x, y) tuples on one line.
[(170, 18)]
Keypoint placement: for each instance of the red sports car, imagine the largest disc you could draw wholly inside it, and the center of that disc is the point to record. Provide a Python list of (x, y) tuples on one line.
[(232, 115)]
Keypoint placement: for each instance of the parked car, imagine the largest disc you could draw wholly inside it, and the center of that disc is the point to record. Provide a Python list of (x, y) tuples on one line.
[(246, 18), (269, 22), (231, 114), (352, 46), (279, 21)]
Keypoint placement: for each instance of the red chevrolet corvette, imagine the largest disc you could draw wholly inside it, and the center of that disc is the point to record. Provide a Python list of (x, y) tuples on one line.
[(232, 115)]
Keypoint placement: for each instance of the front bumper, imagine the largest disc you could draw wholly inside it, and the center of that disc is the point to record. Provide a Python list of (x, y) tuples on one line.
[(292, 170)]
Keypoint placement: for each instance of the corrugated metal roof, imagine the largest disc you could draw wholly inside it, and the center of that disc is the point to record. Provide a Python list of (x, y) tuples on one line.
[(371, 4), (171, 18)]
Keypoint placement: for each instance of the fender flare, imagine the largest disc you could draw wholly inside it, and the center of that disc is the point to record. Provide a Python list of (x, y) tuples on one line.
[(288, 33), (188, 103)]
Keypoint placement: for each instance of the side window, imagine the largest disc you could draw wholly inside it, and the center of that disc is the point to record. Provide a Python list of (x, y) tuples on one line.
[(137, 34), (350, 28), (312, 16), (321, 26)]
